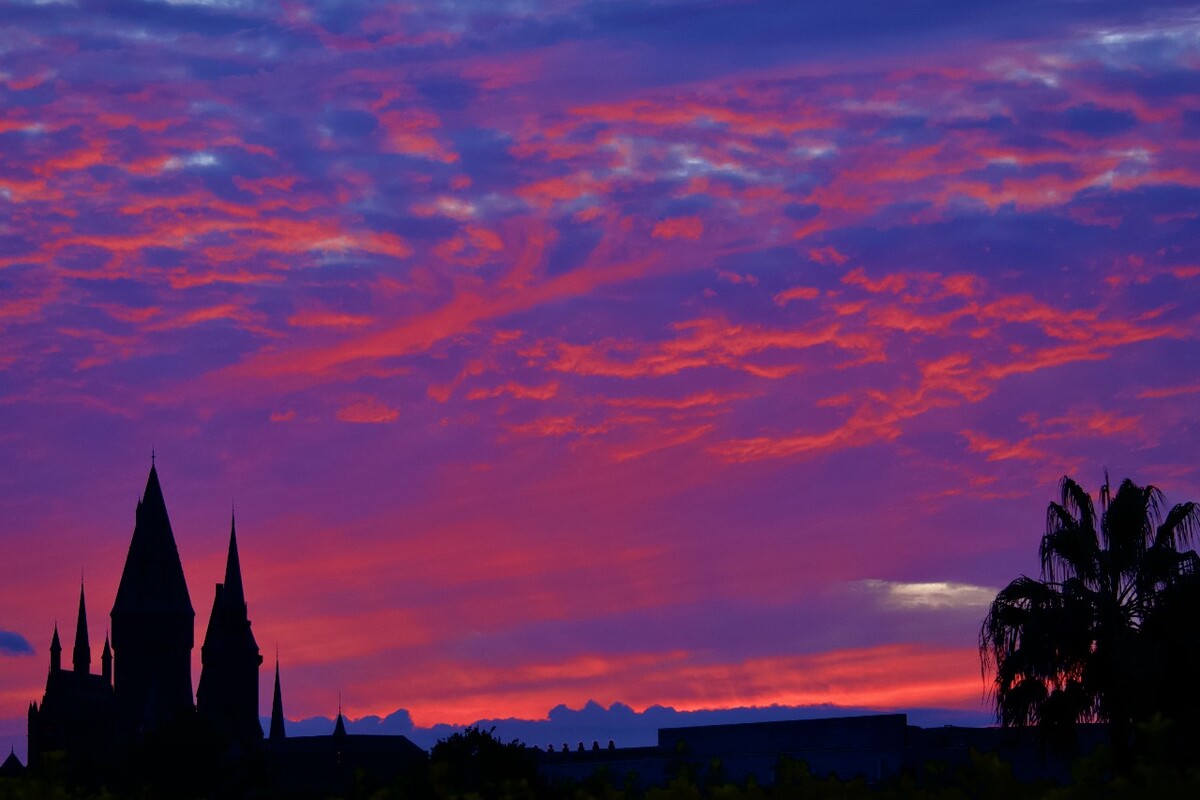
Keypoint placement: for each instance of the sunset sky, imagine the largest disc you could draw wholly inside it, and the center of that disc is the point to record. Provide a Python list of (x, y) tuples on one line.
[(654, 352)]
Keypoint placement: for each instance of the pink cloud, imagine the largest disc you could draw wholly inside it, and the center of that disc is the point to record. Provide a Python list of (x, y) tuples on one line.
[(827, 255), (679, 228), (518, 391)]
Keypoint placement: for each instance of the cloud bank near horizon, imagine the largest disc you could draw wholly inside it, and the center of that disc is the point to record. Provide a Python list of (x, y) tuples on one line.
[(619, 723)]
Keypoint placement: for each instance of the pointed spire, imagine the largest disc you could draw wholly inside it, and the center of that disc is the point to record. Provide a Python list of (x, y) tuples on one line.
[(235, 596), (277, 731), (152, 495), (55, 651), (339, 727), (106, 660), (81, 657)]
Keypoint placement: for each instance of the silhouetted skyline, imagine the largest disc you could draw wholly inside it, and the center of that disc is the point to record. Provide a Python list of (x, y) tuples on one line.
[(702, 354)]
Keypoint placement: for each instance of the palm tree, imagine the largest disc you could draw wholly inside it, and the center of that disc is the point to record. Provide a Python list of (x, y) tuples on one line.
[(1097, 637)]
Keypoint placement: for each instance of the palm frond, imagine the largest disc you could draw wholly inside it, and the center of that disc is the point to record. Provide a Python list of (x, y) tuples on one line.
[(1078, 502), (1179, 527)]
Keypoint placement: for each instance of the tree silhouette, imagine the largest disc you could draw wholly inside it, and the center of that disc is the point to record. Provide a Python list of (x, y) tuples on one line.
[(1098, 637), (477, 763)]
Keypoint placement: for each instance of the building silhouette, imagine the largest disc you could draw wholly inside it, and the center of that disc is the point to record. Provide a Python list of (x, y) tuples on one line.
[(145, 679), (228, 692), (77, 713), (143, 693)]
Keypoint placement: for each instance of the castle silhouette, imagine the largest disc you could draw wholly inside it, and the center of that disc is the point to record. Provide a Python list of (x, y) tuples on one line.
[(145, 683)]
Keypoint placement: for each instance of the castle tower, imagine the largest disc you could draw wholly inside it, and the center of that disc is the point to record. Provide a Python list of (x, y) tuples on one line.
[(81, 658), (228, 690), (152, 623)]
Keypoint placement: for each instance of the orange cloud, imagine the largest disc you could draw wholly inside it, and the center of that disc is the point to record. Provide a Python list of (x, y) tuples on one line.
[(796, 293), (677, 112), (128, 314), (418, 332), (368, 410), (197, 316), (661, 440), (893, 283), (1000, 450), (737, 278), (327, 319), (545, 193), (703, 342), (413, 132), (706, 399), (1094, 422), (259, 186), (679, 228), (1171, 391), (190, 279), (519, 391), (876, 416), (557, 427)]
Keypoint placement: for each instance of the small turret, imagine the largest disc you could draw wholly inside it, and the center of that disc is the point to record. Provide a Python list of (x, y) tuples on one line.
[(55, 652), (81, 658)]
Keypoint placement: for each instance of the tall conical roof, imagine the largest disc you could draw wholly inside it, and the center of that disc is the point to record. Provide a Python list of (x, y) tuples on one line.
[(82, 655), (277, 731), (152, 581), (55, 645)]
